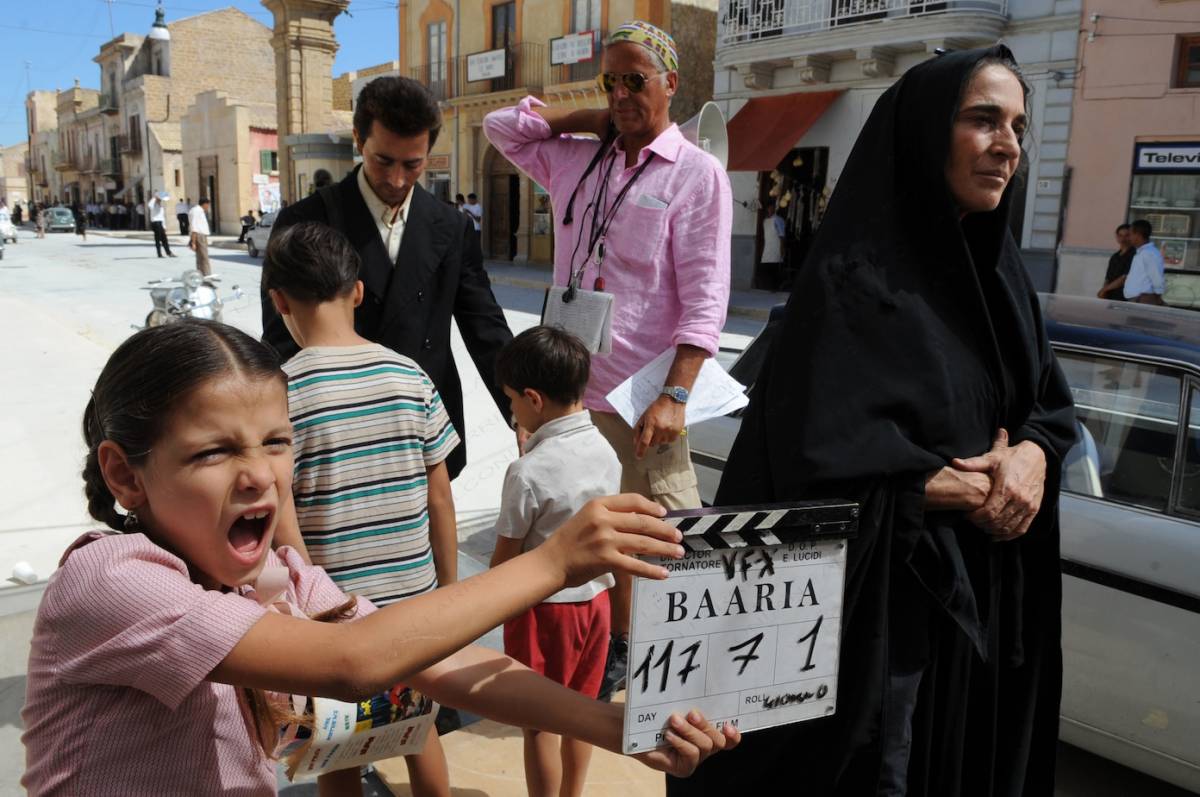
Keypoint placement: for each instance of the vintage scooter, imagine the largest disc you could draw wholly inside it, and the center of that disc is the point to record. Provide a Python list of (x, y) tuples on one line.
[(193, 295)]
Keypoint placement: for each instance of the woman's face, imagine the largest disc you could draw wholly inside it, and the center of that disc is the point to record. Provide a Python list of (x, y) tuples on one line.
[(985, 141), (214, 482)]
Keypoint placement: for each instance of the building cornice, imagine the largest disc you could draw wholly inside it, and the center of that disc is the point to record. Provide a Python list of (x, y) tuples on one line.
[(898, 36)]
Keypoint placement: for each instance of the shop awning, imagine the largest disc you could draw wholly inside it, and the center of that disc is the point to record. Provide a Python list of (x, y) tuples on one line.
[(766, 128)]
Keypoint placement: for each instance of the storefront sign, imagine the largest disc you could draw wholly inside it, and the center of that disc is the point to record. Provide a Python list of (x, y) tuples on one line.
[(1168, 157), (487, 65), (746, 628), (573, 48), (437, 163), (259, 179)]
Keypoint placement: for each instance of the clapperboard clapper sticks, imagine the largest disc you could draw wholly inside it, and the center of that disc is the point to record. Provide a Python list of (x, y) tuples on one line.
[(748, 626)]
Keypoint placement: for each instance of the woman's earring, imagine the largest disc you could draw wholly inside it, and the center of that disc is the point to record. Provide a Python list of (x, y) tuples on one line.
[(131, 521)]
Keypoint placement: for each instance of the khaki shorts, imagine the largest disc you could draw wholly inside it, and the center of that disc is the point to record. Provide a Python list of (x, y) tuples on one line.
[(664, 475)]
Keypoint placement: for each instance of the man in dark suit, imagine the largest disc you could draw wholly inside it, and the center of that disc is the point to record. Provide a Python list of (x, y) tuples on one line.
[(421, 262)]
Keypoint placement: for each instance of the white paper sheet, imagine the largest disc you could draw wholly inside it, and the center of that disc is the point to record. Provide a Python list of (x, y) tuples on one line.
[(714, 394)]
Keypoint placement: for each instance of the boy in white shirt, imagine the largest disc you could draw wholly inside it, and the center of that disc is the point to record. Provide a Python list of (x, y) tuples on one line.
[(567, 462)]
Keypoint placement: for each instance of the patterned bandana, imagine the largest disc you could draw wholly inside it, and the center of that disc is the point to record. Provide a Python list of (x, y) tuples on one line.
[(654, 39)]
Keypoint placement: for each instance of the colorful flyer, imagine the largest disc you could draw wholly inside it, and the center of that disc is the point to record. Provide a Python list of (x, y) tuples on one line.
[(345, 735)]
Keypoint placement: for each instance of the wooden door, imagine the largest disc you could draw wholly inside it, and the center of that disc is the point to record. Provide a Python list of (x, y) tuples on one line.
[(496, 217)]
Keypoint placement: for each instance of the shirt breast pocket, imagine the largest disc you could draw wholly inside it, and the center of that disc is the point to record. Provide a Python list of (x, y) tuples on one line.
[(644, 237)]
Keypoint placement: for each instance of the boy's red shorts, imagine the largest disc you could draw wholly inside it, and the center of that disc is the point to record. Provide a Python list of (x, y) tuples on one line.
[(566, 642)]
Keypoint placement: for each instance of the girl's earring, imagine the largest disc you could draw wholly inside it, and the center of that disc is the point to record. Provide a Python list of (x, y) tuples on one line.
[(131, 521)]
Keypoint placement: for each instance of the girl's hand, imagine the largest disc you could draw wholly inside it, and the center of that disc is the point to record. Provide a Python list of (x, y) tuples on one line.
[(607, 535), (691, 741)]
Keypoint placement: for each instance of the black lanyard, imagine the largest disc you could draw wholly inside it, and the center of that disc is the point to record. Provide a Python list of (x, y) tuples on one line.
[(600, 225)]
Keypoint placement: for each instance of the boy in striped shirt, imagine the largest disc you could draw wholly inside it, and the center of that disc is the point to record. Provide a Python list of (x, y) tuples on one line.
[(370, 438)]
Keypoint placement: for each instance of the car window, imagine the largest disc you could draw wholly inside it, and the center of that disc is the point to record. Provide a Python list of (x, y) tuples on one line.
[(1128, 416), (1189, 481)]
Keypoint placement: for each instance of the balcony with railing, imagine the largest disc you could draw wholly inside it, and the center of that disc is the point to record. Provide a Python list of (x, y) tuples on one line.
[(130, 143), (110, 167), (109, 104), (742, 21), (438, 77), (63, 162), (517, 67)]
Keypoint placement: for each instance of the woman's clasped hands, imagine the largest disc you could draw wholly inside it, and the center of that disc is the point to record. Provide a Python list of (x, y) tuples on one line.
[(1001, 491)]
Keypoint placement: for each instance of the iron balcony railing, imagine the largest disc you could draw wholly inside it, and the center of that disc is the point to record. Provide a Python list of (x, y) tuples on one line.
[(130, 143), (438, 77), (747, 20), (108, 103), (110, 167), (525, 67), (63, 162)]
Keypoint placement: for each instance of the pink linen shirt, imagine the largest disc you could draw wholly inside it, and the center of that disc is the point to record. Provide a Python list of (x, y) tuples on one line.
[(117, 702), (667, 252)]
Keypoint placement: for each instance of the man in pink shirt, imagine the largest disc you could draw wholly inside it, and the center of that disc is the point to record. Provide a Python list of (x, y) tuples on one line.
[(645, 215)]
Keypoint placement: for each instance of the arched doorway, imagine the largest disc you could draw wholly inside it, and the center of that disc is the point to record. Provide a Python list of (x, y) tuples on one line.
[(502, 206)]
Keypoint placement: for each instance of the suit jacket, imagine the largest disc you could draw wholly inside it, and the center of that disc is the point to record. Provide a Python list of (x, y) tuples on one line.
[(438, 274)]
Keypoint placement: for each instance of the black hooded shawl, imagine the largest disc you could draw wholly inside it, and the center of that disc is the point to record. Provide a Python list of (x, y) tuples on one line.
[(910, 338)]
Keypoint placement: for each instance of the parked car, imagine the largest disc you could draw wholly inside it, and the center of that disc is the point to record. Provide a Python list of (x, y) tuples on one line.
[(1130, 513), (60, 220), (256, 239)]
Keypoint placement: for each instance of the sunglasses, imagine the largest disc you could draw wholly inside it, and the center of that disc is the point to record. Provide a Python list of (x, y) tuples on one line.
[(634, 81)]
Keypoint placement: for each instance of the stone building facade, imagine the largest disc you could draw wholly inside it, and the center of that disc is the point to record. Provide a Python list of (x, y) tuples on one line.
[(230, 150), (41, 120), (14, 179), (492, 59), (803, 75), (149, 82), (1135, 142)]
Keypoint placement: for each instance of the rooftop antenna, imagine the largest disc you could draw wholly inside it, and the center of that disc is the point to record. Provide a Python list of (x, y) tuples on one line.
[(112, 32)]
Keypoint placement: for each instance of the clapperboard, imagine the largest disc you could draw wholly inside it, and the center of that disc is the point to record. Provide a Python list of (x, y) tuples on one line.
[(747, 627)]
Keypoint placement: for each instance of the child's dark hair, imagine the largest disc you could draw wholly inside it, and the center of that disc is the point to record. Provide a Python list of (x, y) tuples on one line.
[(145, 378), (548, 360), (310, 262)]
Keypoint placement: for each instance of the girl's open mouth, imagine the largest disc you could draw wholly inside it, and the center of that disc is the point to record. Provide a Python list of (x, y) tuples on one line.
[(248, 531)]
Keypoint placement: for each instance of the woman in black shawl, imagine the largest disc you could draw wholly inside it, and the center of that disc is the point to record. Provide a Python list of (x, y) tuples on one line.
[(913, 338)]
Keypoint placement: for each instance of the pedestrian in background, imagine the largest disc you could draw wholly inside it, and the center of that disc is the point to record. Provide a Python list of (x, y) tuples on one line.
[(770, 267), (16, 214), (459, 202), (81, 222), (1146, 282), (158, 219), (139, 216), (198, 235), (1118, 267), (247, 226), (40, 220), (182, 208), (474, 212)]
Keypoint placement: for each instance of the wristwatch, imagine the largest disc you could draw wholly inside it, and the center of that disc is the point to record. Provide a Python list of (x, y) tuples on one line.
[(677, 393)]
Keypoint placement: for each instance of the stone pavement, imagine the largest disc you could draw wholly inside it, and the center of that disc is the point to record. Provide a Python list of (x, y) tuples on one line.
[(745, 304)]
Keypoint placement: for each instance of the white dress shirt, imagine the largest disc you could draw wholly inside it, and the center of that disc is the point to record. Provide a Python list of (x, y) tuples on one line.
[(198, 220), (390, 220), (1146, 274)]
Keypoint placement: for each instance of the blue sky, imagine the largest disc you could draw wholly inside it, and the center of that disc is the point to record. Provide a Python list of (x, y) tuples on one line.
[(57, 40)]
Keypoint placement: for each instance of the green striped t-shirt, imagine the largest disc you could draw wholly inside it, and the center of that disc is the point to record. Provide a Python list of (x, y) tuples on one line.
[(367, 423)]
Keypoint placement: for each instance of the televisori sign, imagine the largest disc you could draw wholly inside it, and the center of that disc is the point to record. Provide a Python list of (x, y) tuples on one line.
[(1174, 157)]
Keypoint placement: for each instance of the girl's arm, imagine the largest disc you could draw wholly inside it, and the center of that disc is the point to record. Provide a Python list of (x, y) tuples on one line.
[(352, 660), (490, 684), (443, 531)]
